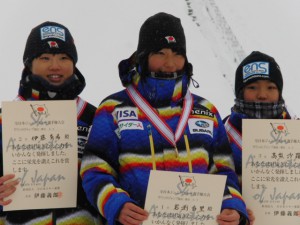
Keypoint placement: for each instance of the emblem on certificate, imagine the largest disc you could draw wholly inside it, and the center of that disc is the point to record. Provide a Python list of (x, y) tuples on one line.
[(271, 170), (184, 198), (40, 148)]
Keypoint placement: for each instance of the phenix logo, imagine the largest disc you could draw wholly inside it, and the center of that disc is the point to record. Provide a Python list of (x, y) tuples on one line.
[(279, 128), (39, 110)]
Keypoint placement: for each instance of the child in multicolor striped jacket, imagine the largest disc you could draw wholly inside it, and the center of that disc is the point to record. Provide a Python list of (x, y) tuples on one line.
[(155, 123)]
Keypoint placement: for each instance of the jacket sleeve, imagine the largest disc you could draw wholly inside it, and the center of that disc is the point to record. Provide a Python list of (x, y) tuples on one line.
[(1, 157), (100, 165), (1, 147), (224, 163)]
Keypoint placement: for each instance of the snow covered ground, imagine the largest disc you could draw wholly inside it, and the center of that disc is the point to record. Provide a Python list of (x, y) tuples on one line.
[(219, 34)]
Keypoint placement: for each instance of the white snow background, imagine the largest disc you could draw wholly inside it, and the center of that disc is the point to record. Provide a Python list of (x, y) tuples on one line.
[(219, 34)]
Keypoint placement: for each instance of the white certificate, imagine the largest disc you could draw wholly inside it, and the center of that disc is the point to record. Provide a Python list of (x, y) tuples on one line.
[(184, 198), (271, 170), (40, 147)]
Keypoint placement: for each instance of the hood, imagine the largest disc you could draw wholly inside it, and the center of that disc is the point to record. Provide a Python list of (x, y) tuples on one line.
[(158, 92)]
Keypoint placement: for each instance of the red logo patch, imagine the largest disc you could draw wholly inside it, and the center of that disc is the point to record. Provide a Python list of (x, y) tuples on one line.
[(53, 44), (170, 39)]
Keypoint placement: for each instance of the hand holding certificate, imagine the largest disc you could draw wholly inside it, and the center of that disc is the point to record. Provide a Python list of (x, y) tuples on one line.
[(40, 147)]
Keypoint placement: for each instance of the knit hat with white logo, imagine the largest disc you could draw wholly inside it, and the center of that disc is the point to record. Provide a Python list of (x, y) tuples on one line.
[(49, 37), (257, 66), (160, 31)]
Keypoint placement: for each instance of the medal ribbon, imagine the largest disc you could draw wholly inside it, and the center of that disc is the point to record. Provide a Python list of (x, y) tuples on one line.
[(162, 127)]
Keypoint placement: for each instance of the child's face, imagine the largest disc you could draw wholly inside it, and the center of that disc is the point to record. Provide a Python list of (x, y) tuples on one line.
[(55, 68), (165, 61), (261, 91)]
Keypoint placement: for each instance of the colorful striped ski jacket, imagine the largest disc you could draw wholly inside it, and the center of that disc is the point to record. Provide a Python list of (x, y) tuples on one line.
[(84, 213), (117, 160), (233, 126)]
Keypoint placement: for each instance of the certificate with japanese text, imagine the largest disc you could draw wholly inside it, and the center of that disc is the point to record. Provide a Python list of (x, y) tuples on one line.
[(184, 198), (40, 148), (271, 170)]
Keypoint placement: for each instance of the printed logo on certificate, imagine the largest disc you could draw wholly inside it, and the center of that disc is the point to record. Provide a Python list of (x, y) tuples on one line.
[(184, 198), (271, 170), (40, 148)]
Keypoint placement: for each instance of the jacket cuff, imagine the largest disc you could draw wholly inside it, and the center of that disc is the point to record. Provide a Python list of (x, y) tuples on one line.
[(113, 207)]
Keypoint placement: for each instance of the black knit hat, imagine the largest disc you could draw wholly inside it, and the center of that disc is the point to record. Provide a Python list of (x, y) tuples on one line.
[(49, 37), (160, 31), (257, 66)]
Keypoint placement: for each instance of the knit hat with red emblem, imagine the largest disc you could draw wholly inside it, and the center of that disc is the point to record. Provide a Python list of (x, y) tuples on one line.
[(160, 31), (49, 37)]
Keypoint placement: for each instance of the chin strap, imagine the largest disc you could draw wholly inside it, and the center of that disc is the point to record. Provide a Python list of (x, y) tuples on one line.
[(195, 83), (165, 76), (188, 69)]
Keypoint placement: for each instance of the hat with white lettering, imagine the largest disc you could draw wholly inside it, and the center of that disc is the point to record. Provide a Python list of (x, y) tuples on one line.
[(49, 37), (257, 66)]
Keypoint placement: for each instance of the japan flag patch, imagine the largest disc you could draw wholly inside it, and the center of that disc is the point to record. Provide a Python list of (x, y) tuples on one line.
[(170, 39)]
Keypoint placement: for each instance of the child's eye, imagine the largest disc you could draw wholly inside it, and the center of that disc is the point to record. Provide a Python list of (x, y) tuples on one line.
[(273, 87), (44, 58), (178, 53), (160, 53), (251, 87)]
